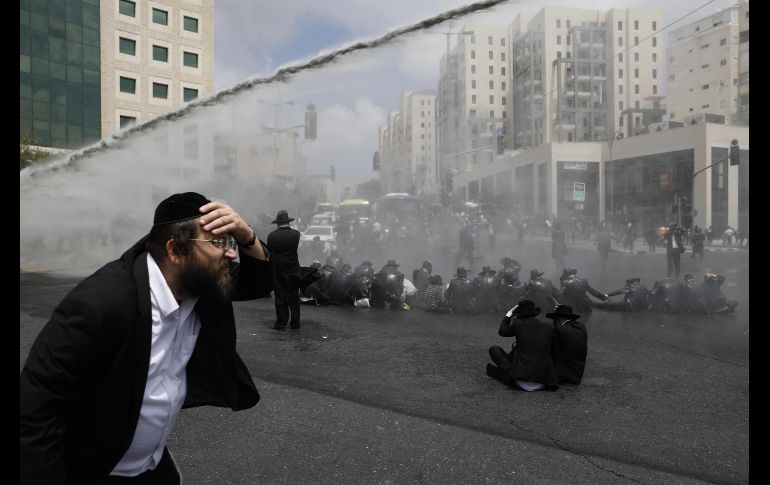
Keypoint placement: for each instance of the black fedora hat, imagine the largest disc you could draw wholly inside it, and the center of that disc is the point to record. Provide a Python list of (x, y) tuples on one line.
[(486, 270), (564, 311), (535, 274), (526, 308), (392, 264), (462, 270), (282, 218)]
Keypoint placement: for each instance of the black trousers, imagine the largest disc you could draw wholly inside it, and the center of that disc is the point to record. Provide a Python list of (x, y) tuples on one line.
[(286, 289), (166, 473), (672, 262)]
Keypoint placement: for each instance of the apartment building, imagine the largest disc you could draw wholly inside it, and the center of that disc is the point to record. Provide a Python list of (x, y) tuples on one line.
[(576, 71), (408, 145), (703, 66), (742, 117), (473, 90), (89, 68)]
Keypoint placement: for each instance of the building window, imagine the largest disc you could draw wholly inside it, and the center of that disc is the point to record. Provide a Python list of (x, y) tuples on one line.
[(127, 46), (502, 71), (558, 23), (473, 99), (636, 40), (620, 25), (620, 89), (723, 42), (473, 84), (654, 57), (491, 99), (704, 66), (190, 24), (190, 59), (636, 104), (160, 90), (491, 55), (723, 63), (620, 41), (127, 121), (491, 70), (569, 39), (190, 94), (491, 85), (473, 69), (491, 113), (490, 40), (473, 54), (636, 57), (502, 56), (503, 100), (620, 121), (704, 46), (502, 86), (127, 85), (636, 89), (620, 73), (127, 8), (473, 39), (558, 40), (654, 89), (636, 73), (655, 42), (502, 41), (159, 53), (620, 105), (159, 16), (620, 57), (636, 25), (655, 74)]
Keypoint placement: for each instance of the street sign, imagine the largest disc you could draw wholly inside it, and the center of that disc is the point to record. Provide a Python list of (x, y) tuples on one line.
[(575, 192)]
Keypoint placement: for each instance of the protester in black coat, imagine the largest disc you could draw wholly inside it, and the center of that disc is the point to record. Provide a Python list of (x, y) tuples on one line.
[(529, 365), (571, 345), (420, 277), (674, 250), (541, 290), (575, 291), (635, 297), (485, 291), (459, 295), (283, 244)]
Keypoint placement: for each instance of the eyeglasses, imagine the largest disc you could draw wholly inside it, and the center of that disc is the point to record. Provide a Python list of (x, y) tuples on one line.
[(221, 243)]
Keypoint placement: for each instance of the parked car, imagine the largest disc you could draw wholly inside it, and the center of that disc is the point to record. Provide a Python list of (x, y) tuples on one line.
[(325, 233)]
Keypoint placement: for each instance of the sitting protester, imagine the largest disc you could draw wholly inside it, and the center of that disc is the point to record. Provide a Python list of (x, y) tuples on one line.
[(666, 296), (433, 295), (308, 276), (387, 287), (420, 276), (716, 301), (575, 291), (541, 290), (569, 353), (485, 291), (529, 365), (459, 295), (635, 297), (341, 285)]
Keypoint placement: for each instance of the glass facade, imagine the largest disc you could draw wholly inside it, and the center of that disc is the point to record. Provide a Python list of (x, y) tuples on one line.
[(59, 82), (643, 189)]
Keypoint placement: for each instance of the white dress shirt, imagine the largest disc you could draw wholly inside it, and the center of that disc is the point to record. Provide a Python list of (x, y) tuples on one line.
[(175, 328)]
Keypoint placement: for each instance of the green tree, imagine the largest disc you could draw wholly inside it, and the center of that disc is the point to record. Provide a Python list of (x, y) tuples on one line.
[(29, 153)]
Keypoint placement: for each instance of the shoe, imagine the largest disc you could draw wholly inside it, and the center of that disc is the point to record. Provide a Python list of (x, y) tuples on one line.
[(280, 328), (295, 327)]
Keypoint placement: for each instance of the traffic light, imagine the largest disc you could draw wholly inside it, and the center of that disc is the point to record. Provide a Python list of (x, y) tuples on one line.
[(735, 153), (310, 122), (376, 162), (500, 144)]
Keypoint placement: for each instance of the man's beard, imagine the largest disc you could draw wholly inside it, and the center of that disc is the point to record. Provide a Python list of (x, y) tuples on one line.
[(208, 282)]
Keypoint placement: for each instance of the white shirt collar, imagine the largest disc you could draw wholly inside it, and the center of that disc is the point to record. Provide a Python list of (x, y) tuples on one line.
[(159, 288)]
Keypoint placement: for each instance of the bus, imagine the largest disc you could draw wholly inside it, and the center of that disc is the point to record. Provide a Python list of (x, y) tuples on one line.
[(354, 210), (400, 215)]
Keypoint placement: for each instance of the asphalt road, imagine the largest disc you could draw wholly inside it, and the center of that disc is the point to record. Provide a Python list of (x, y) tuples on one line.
[(374, 396)]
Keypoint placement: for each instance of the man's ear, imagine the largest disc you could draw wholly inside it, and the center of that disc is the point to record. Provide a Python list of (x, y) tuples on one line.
[(172, 253)]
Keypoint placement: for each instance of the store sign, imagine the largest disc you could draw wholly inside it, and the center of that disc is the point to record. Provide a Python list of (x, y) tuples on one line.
[(575, 192), (575, 166), (665, 180)]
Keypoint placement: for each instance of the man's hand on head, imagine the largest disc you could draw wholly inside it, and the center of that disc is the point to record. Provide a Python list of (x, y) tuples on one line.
[(219, 218)]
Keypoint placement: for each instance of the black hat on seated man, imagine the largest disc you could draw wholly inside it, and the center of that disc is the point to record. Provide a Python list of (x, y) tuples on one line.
[(461, 272), (179, 207), (563, 311), (533, 274), (282, 218), (486, 270), (392, 264), (567, 272), (525, 309)]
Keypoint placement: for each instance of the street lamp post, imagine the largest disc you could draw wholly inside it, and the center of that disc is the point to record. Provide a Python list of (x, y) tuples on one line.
[(610, 141)]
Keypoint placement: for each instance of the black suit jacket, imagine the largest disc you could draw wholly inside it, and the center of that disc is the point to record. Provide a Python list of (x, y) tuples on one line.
[(283, 244), (82, 386), (570, 351), (531, 358)]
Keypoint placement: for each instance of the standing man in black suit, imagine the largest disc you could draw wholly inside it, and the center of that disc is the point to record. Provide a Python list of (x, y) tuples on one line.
[(283, 244), (145, 336)]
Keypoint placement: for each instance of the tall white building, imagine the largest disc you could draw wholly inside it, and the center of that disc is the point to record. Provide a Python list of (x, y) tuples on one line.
[(742, 116), (575, 72), (472, 94), (703, 66), (408, 145), (155, 56)]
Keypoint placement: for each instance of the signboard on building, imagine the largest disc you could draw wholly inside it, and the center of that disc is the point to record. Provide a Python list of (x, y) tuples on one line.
[(575, 192), (665, 180), (575, 166)]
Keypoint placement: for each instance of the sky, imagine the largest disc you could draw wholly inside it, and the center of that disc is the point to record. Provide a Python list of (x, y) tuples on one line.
[(256, 37)]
